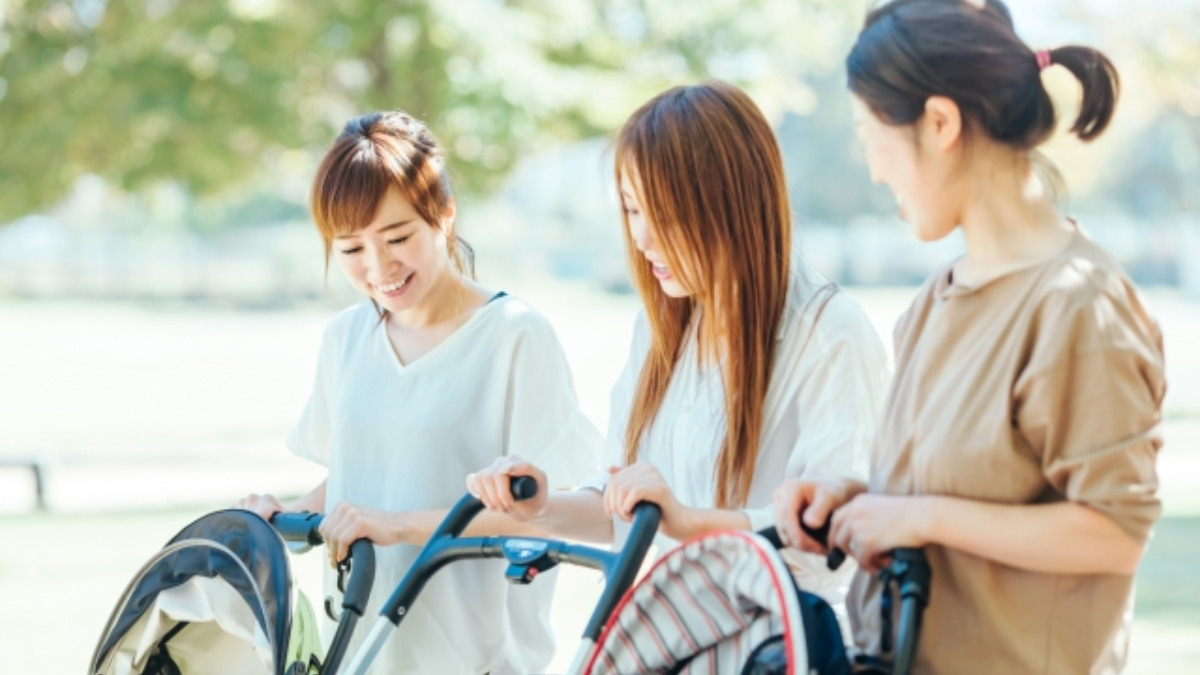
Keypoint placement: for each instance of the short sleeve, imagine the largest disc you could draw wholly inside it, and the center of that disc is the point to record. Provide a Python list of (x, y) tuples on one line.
[(1091, 412), (544, 423), (312, 436)]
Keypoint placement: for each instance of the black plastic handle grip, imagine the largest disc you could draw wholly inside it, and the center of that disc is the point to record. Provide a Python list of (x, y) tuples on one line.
[(299, 526), (362, 576), (523, 487), (835, 557)]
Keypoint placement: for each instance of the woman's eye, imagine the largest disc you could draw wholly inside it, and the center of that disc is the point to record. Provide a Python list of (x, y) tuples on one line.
[(351, 251), (632, 213), (399, 240)]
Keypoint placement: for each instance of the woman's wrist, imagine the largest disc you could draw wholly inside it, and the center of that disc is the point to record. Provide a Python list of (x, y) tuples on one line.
[(927, 518), (402, 531), (852, 487), (682, 523)]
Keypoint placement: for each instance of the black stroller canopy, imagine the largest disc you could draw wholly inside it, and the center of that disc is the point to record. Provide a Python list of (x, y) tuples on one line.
[(233, 546)]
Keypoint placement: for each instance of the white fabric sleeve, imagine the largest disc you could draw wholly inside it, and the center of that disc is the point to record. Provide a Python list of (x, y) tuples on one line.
[(842, 378), (544, 423), (619, 402), (312, 435)]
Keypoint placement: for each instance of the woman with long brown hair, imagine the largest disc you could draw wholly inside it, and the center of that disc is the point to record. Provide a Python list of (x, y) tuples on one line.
[(433, 375), (746, 366)]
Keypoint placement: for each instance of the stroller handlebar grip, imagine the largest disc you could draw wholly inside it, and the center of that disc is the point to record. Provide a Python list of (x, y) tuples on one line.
[(523, 487), (833, 559), (362, 576), (299, 526)]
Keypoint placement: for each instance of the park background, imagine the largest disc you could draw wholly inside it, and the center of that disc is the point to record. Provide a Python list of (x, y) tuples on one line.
[(162, 290)]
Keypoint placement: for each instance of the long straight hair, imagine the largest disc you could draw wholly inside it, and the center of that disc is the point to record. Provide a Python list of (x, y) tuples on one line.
[(710, 181)]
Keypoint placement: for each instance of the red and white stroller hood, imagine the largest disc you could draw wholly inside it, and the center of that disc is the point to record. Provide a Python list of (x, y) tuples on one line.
[(705, 607)]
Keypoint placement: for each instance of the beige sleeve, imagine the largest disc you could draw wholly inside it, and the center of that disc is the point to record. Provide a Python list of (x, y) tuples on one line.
[(1092, 414)]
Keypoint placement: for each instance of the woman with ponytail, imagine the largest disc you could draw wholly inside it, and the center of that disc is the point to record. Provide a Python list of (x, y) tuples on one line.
[(746, 365), (1018, 441)]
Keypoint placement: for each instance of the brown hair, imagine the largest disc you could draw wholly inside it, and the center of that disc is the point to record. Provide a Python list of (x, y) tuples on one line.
[(910, 50), (373, 153), (712, 188)]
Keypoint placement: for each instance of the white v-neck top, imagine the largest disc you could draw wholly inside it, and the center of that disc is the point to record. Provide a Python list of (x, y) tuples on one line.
[(404, 437), (827, 386)]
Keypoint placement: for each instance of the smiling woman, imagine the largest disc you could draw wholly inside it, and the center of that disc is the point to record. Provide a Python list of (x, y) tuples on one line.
[(434, 375)]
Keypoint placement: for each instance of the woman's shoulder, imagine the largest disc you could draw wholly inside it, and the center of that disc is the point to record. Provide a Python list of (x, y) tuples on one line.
[(513, 316), (818, 306), (1086, 297), (353, 320)]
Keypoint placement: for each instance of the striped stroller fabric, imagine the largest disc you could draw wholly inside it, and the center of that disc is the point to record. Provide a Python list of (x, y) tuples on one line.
[(704, 608)]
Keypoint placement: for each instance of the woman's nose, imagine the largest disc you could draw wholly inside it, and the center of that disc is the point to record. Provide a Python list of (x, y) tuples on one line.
[(379, 262)]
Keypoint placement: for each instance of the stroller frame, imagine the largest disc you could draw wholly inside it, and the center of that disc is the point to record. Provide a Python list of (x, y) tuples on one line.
[(527, 557), (359, 566)]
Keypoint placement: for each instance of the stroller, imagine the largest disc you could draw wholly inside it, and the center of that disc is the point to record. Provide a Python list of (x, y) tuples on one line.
[(527, 557), (731, 587), (218, 599), (725, 602)]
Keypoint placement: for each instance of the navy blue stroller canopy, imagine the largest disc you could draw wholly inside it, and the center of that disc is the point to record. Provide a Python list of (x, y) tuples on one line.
[(216, 599)]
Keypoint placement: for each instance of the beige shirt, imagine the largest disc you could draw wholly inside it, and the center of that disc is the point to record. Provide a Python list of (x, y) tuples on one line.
[(1043, 385)]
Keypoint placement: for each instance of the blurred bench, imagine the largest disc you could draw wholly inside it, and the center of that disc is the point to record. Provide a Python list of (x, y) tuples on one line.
[(37, 466)]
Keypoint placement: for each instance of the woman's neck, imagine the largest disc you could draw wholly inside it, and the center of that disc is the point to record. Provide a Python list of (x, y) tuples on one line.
[(1009, 220)]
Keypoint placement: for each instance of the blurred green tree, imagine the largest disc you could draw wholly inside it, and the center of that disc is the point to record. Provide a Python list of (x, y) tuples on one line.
[(209, 94)]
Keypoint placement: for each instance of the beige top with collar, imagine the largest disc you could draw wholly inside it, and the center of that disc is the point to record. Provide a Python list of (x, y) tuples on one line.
[(1043, 385)]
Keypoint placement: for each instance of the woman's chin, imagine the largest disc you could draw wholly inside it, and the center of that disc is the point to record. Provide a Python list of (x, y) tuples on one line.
[(673, 288), (927, 232)]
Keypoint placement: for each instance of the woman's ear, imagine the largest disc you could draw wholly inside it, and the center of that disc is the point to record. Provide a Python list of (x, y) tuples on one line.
[(942, 122)]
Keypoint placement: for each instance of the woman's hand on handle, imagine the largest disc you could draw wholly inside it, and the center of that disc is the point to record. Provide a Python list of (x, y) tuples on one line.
[(642, 482), (347, 523), (816, 501), (869, 527), (491, 486), (264, 505)]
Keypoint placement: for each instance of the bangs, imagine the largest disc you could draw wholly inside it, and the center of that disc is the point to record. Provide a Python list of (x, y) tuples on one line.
[(351, 182)]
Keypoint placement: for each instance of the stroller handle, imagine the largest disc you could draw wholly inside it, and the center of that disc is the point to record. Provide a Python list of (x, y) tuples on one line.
[(909, 571), (303, 526), (299, 527), (833, 559), (528, 555)]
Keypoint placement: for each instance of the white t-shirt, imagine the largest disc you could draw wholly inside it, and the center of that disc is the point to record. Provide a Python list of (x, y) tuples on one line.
[(404, 437), (827, 386)]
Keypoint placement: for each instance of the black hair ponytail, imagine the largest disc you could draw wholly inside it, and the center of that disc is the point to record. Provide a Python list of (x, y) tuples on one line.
[(910, 50), (1101, 87)]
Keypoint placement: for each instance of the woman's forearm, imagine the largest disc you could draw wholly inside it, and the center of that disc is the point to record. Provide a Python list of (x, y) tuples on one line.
[(313, 502), (1064, 538), (695, 522), (577, 514), (573, 515), (416, 527)]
